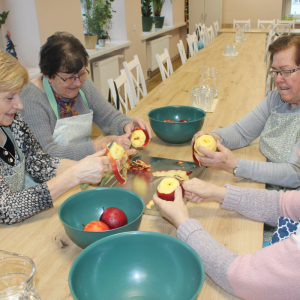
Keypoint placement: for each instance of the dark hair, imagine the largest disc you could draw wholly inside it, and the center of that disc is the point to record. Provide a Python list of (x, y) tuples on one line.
[(284, 43), (62, 52)]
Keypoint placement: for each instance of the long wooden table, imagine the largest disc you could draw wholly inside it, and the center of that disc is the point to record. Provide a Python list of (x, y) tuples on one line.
[(254, 30), (43, 238)]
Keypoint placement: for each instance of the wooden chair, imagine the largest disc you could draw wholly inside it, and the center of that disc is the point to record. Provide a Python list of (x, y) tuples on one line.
[(241, 23), (209, 34), (125, 98), (216, 28), (287, 22), (182, 52), (267, 23), (192, 43), (136, 78), (161, 59)]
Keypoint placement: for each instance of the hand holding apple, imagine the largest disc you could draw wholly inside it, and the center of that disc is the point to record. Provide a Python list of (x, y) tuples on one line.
[(196, 190), (222, 160), (166, 188), (138, 123), (139, 138), (213, 134), (174, 211)]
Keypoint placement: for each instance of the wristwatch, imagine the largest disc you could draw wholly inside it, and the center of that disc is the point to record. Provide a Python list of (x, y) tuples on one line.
[(235, 170)]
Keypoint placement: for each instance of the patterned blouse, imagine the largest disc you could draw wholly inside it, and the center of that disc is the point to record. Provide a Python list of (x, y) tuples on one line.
[(18, 206)]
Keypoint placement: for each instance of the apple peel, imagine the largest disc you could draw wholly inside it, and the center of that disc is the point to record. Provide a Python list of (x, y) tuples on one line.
[(121, 175), (194, 156)]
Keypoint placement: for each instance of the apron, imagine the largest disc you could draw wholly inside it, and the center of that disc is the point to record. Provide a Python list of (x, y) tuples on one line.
[(279, 137), (17, 180)]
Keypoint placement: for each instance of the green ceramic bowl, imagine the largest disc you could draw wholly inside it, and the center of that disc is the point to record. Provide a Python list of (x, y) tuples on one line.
[(87, 206), (137, 265), (176, 133)]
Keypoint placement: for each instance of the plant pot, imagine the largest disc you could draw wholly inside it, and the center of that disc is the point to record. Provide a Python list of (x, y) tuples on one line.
[(159, 22), (90, 41), (147, 23), (102, 42)]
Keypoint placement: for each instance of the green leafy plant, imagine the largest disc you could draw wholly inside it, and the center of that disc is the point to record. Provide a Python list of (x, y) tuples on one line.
[(146, 8), (157, 7), (3, 17), (98, 15)]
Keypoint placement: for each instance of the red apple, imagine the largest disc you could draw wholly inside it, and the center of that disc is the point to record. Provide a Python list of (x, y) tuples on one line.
[(96, 226), (206, 141), (169, 121), (139, 138), (166, 188), (113, 217), (183, 121)]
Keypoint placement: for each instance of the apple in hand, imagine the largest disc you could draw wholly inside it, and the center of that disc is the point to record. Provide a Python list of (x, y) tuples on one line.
[(166, 188), (113, 217), (116, 150), (139, 138), (96, 226), (206, 141)]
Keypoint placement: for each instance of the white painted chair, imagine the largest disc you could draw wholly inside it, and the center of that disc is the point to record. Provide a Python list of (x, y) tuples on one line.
[(182, 52), (209, 34), (216, 28), (126, 101), (198, 30), (136, 78), (287, 22), (282, 29), (265, 24), (192, 43), (203, 37), (161, 60), (241, 23)]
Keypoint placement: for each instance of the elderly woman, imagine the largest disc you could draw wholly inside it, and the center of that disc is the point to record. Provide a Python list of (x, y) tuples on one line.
[(20, 152), (276, 120), (270, 273), (61, 105)]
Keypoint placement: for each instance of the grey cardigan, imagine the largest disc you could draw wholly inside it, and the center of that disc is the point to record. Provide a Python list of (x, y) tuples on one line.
[(39, 115)]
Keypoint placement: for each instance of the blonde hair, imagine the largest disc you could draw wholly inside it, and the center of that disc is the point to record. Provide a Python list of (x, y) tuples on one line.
[(13, 76)]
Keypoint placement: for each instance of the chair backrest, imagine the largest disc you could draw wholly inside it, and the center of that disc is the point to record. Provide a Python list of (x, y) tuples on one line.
[(209, 34), (216, 28), (127, 98), (182, 52), (192, 43), (136, 78), (265, 24), (203, 37), (198, 30), (161, 59), (281, 29), (241, 23), (292, 22)]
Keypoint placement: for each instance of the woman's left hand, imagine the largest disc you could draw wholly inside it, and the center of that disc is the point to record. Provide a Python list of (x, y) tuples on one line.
[(136, 123), (174, 211)]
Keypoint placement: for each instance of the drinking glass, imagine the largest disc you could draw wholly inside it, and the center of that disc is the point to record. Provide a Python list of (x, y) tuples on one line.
[(233, 50), (17, 277), (227, 50)]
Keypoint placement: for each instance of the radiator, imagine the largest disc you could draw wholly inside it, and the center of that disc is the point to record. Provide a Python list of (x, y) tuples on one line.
[(154, 47), (104, 70)]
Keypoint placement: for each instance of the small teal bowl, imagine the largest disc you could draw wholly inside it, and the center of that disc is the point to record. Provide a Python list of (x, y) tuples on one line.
[(87, 206), (137, 265), (176, 133)]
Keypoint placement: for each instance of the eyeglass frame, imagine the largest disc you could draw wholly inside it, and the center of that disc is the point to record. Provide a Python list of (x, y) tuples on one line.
[(288, 73), (74, 77)]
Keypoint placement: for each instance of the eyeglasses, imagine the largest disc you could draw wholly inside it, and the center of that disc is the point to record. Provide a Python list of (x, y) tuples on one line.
[(283, 73), (71, 79)]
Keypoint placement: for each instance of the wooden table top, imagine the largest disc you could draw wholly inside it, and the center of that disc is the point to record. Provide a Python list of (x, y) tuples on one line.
[(254, 30), (43, 238)]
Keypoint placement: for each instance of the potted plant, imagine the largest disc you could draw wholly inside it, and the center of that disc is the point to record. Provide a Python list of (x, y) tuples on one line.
[(97, 19), (157, 7), (147, 18)]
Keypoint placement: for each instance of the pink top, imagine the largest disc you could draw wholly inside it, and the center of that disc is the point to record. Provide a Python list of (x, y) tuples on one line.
[(270, 273)]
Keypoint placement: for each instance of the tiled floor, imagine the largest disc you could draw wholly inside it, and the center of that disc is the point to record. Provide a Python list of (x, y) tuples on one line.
[(151, 84)]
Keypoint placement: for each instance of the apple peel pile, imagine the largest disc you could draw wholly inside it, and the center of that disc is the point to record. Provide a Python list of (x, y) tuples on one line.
[(139, 138), (139, 165), (115, 151), (181, 175), (206, 141)]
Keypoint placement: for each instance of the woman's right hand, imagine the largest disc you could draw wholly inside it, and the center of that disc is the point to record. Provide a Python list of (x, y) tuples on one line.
[(196, 190), (214, 135)]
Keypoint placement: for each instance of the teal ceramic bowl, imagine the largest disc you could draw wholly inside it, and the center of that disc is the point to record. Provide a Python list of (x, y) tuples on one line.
[(87, 206), (137, 265), (176, 133)]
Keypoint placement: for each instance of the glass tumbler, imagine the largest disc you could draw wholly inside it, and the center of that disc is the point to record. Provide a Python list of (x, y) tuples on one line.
[(227, 50), (17, 277)]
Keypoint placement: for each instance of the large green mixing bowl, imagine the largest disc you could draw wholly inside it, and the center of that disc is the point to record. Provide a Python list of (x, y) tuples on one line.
[(137, 265), (176, 133), (87, 206)]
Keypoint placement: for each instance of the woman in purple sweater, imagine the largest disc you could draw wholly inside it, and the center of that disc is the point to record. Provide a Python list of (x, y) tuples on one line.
[(270, 273)]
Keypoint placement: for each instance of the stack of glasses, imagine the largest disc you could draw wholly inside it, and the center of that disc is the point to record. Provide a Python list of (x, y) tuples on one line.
[(202, 97), (230, 50)]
